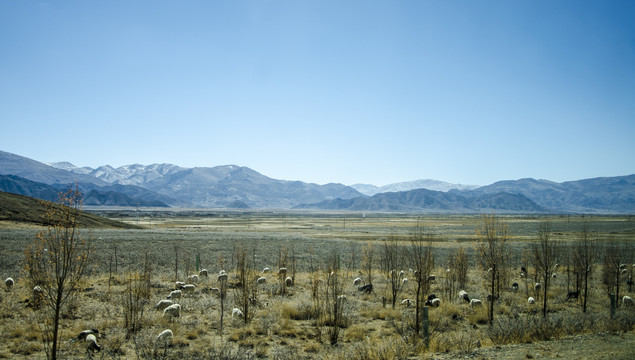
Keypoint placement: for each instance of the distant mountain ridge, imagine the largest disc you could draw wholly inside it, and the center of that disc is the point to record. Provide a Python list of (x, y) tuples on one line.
[(232, 186), (423, 200), (219, 186), (428, 184)]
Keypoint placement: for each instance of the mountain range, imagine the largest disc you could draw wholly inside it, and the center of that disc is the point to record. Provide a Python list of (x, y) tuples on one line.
[(232, 186)]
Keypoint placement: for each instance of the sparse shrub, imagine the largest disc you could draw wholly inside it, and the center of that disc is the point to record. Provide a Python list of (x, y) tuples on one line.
[(506, 330)]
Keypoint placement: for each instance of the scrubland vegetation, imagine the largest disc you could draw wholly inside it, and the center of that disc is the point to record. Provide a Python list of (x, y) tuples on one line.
[(320, 313)]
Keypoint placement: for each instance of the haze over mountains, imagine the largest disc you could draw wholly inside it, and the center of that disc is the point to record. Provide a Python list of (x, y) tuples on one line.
[(232, 186)]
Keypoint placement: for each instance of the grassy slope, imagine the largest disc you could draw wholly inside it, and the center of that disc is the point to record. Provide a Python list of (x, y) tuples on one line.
[(24, 209)]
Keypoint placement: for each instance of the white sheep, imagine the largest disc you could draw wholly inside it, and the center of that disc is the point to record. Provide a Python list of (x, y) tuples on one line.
[(203, 273), (222, 276), (531, 300), (38, 296), (404, 281), (537, 287), (189, 288), (463, 295), (179, 284), (436, 302), (192, 279), (402, 273), (406, 302), (282, 271), (216, 291), (237, 312), (9, 283), (627, 301), (431, 277), (165, 335), (475, 302), (261, 280), (162, 304), (266, 270), (341, 299), (82, 335), (175, 294), (357, 281), (288, 281), (515, 286), (91, 343), (172, 311)]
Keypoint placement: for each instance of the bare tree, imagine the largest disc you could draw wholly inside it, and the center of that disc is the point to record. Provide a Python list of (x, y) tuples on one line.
[(585, 254), (546, 253), (246, 288), (393, 261), (422, 259), (58, 260), (334, 300), (492, 253), (368, 253)]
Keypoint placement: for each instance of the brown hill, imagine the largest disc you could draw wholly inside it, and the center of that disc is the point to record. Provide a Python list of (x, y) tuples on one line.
[(28, 210)]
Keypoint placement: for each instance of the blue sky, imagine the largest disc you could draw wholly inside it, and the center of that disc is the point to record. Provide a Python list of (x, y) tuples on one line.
[(352, 92)]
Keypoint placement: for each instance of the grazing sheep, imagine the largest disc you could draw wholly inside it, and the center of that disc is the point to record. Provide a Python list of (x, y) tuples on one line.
[(431, 277), (368, 288), (432, 297), (627, 301), (531, 300), (91, 343), (553, 275), (9, 283), (537, 287), (282, 271), (82, 335), (175, 294), (215, 291), (357, 281), (475, 302), (341, 298), (203, 273), (189, 288), (165, 335), (266, 270), (406, 302), (463, 295), (237, 312), (402, 273), (573, 295), (523, 269), (622, 266), (192, 279), (623, 272), (404, 281), (179, 284), (288, 281), (261, 280), (172, 311), (162, 304), (436, 302), (38, 296), (222, 277), (515, 286)]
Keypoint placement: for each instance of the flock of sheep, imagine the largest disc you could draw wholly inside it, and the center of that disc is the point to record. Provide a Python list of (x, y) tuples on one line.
[(172, 309)]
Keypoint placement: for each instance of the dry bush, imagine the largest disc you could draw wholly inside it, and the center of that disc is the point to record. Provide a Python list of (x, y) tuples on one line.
[(506, 330)]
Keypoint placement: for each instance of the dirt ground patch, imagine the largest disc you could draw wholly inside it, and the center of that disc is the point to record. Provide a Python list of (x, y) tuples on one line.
[(587, 346)]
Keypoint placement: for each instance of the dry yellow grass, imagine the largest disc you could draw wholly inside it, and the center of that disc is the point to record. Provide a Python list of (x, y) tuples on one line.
[(289, 326)]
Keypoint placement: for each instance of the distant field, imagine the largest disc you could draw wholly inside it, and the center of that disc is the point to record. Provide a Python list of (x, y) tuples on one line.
[(285, 327)]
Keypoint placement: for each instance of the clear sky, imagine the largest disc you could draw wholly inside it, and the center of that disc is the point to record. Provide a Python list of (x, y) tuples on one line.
[(321, 91)]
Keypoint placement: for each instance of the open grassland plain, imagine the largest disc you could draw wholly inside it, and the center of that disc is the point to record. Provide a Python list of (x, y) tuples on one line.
[(302, 319)]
